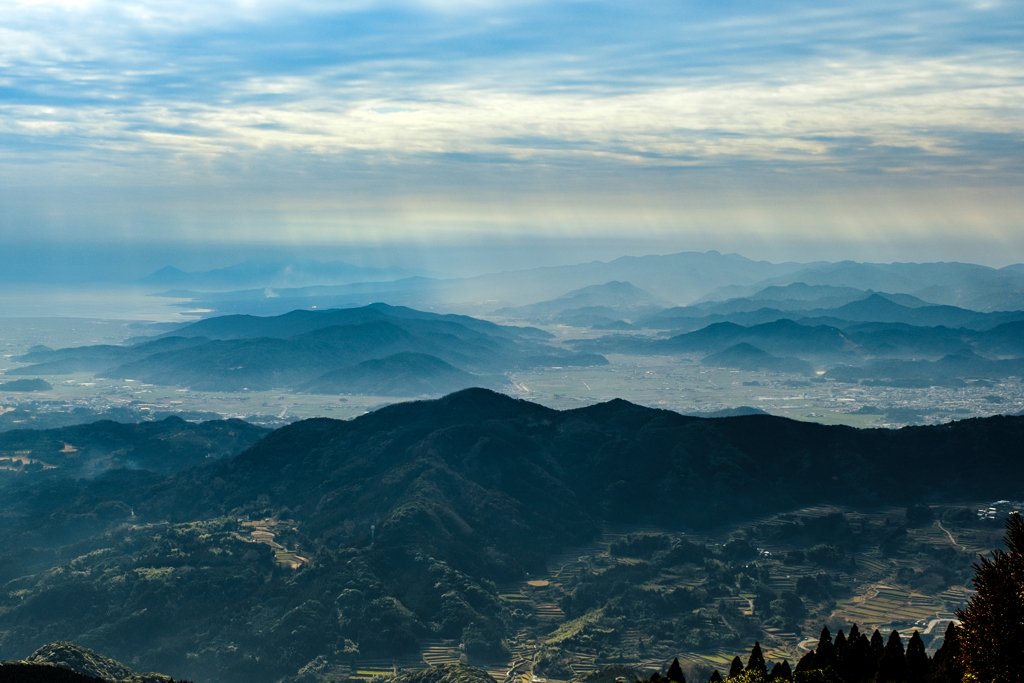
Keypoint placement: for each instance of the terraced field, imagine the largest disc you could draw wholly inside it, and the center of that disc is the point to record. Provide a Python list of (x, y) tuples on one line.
[(878, 598), (265, 531)]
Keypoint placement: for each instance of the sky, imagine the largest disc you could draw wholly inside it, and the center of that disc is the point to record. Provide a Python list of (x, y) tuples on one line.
[(781, 130)]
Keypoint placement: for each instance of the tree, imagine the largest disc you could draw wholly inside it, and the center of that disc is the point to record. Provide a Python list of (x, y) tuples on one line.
[(737, 667), (675, 672), (824, 654), (877, 645), (756, 661), (991, 632), (917, 660), (946, 664), (715, 677), (893, 664), (782, 671)]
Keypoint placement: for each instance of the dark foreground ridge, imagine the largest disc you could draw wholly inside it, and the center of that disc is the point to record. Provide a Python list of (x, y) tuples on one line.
[(400, 523), (63, 662)]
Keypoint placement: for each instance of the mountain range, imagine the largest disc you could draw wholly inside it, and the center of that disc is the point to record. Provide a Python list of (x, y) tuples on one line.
[(395, 349), (679, 279), (402, 521)]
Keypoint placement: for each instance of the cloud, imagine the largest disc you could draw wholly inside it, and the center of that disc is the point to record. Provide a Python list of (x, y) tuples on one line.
[(422, 103)]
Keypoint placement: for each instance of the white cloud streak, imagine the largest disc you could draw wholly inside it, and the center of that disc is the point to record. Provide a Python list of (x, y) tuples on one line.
[(172, 92)]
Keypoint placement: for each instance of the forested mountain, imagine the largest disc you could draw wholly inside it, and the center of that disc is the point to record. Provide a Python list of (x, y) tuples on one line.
[(401, 520), (328, 350)]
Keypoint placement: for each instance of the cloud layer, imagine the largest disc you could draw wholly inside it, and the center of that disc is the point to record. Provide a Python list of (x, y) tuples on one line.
[(333, 120)]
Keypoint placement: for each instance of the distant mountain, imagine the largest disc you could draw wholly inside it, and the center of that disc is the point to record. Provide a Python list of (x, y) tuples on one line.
[(781, 337), (47, 361), (275, 273), (872, 307), (302, 321), (677, 278), (956, 284), (236, 353), (953, 370), (739, 411), (801, 297), (1006, 340), (26, 385), (899, 340), (613, 299), (744, 356), (30, 415), (403, 374), (165, 446)]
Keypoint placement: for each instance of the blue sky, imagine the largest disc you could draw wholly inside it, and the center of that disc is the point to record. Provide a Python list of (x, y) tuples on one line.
[(775, 129)]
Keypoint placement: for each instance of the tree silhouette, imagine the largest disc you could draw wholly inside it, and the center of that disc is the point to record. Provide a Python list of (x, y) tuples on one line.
[(715, 677), (756, 661), (675, 672), (781, 670), (737, 667), (917, 660), (893, 664), (992, 625), (946, 664), (877, 645)]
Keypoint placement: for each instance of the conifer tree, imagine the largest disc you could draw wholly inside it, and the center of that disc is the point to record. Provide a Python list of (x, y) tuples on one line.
[(715, 677), (840, 649), (806, 662), (824, 654), (737, 667), (946, 664), (756, 661), (893, 664), (917, 660), (859, 663), (781, 671), (877, 645), (675, 672), (991, 632)]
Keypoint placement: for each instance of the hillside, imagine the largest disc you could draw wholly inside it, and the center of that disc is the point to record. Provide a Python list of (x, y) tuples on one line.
[(291, 351), (403, 374), (744, 356), (399, 523), (596, 303)]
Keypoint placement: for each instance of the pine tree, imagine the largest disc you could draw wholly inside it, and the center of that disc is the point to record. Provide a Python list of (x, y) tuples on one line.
[(893, 664), (917, 660), (715, 677), (806, 662), (946, 664), (991, 632), (824, 654), (860, 662), (840, 648), (675, 672), (782, 671), (877, 645), (756, 661), (737, 667)]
